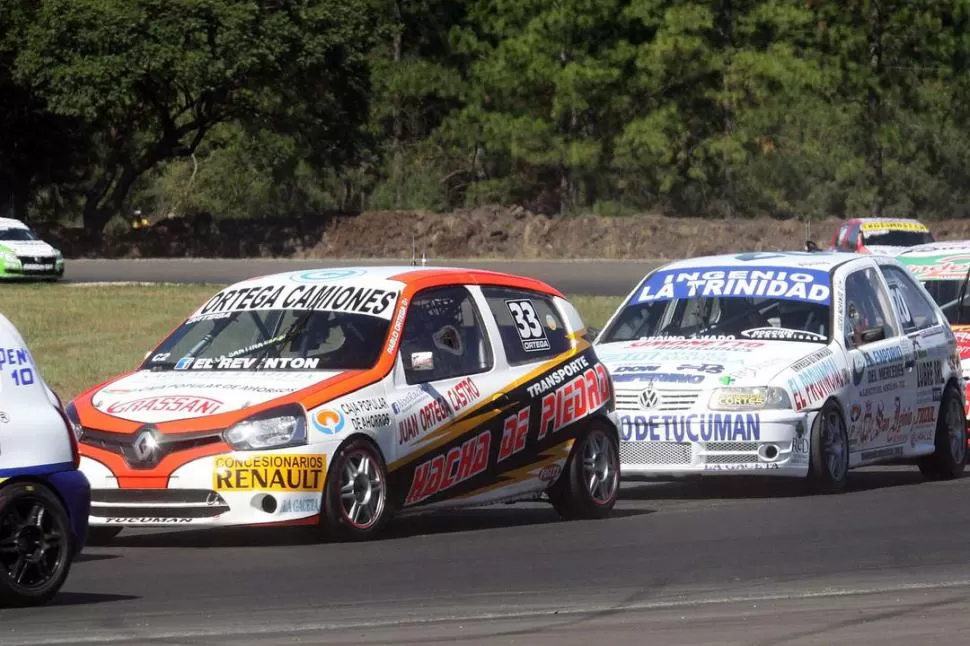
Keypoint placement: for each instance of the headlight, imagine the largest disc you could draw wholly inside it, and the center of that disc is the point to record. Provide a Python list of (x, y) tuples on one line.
[(273, 429), (58, 255), (758, 398), (74, 420), (8, 256)]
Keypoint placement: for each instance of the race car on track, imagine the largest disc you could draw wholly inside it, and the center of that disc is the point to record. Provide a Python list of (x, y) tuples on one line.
[(944, 270), (887, 236), (44, 499), (24, 255), (338, 397), (784, 364)]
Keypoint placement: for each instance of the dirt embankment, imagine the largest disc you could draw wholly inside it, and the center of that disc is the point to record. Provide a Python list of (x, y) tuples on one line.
[(478, 233)]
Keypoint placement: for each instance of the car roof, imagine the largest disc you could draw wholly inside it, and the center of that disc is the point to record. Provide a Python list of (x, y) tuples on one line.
[(402, 274), (10, 223), (824, 260), (947, 260), (884, 220)]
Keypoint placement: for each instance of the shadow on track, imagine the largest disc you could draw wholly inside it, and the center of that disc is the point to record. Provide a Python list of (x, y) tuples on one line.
[(88, 598), (755, 488), (432, 523), (84, 557)]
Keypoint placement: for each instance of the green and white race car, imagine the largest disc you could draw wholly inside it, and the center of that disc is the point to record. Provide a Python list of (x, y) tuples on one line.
[(24, 255)]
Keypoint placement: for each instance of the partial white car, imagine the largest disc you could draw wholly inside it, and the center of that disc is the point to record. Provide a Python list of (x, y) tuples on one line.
[(44, 499), (784, 364), (23, 255)]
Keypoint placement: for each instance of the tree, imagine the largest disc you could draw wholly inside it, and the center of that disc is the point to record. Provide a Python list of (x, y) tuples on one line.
[(712, 67), (153, 77), (547, 91)]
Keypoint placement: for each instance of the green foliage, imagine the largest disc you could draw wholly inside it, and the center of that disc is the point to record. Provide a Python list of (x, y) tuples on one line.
[(253, 108)]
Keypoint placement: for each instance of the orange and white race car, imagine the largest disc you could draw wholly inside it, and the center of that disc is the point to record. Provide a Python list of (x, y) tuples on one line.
[(338, 397)]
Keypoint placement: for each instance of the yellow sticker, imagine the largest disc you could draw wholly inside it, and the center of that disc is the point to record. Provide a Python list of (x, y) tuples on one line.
[(894, 226), (269, 473), (2, 480)]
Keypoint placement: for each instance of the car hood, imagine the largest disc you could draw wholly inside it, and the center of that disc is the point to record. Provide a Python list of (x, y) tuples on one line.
[(156, 397), (700, 363), (28, 247), (885, 250)]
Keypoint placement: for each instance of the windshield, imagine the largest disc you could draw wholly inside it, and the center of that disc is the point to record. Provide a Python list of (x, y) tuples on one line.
[(273, 340), (17, 235), (947, 295), (896, 238), (757, 303)]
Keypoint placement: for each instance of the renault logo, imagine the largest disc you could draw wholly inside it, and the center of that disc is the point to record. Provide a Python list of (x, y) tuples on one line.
[(145, 449), (649, 398)]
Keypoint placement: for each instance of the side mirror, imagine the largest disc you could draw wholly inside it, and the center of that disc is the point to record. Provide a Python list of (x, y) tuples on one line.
[(422, 361), (810, 245), (873, 334)]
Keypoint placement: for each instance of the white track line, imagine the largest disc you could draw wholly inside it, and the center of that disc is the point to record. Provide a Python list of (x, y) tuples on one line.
[(285, 628)]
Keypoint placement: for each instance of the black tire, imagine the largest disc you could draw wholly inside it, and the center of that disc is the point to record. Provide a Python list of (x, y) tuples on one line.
[(828, 469), (950, 457), (338, 515), (101, 534), (36, 544), (595, 453)]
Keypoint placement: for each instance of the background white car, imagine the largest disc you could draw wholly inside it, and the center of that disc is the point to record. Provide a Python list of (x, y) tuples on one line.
[(784, 364), (44, 499), (24, 255)]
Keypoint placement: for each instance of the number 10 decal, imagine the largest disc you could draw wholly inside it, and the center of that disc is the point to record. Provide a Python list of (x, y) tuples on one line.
[(531, 334)]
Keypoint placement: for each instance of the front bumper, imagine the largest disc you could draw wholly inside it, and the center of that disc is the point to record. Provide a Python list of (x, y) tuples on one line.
[(769, 443), (283, 487), (29, 267)]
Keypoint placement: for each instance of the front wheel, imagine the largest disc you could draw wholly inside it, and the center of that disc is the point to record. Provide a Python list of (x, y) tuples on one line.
[(589, 486), (36, 545), (828, 470), (355, 499), (950, 457)]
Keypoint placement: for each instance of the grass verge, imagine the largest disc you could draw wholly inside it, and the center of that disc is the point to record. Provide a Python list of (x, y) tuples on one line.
[(81, 335)]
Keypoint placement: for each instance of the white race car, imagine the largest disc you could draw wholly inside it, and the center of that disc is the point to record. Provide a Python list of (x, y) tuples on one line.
[(784, 364), (24, 255), (44, 499)]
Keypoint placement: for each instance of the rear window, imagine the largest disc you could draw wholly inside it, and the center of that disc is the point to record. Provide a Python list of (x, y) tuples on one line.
[(529, 323)]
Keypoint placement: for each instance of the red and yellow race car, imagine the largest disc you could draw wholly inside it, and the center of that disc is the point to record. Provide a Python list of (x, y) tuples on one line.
[(338, 397)]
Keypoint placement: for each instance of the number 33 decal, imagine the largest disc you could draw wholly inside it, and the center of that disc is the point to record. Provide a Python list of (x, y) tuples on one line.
[(525, 319)]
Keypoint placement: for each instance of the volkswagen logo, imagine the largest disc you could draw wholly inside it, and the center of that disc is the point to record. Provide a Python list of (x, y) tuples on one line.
[(144, 449), (649, 398)]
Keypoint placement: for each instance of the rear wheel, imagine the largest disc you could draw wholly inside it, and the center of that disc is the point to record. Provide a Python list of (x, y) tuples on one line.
[(36, 545), (950, 457), (589, 486), (355, 498), (828, 470)]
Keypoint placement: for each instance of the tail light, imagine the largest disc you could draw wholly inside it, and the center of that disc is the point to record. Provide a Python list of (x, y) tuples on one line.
[(73, 427)]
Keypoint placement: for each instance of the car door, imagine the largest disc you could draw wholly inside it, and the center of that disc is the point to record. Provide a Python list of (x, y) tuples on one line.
[(442, 385), (881, 363), (921, 324)]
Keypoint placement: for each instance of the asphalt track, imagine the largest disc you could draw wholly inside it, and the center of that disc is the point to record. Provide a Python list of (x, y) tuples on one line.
[(714, 562), (679, 563), (605, 278)]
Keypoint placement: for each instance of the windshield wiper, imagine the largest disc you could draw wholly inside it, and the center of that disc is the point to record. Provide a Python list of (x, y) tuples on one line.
[(294, 329)]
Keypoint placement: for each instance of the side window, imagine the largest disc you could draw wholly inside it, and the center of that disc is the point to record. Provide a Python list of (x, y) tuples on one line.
[(914, 310), (852, 243), (531, 328), (867, 308), (444, 337), (840, 242)]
